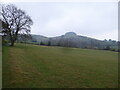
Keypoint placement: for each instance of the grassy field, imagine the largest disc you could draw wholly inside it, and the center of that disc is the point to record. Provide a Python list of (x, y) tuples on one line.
[(0, 62), (32, 66)]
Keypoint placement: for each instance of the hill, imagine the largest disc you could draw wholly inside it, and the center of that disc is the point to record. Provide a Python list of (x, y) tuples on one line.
[(71, 39), (33, 66)]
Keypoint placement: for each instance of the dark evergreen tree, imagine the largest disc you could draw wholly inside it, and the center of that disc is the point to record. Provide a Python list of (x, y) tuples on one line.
[(49, 43)]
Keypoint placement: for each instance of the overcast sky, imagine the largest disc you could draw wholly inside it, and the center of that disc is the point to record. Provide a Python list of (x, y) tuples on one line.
[(93, 19)]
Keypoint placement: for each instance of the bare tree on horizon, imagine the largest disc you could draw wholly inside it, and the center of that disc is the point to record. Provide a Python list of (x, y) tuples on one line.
[(17, 21)]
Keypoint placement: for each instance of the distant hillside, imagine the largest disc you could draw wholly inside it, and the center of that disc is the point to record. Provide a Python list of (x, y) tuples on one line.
[(71, 39), (40, 38)]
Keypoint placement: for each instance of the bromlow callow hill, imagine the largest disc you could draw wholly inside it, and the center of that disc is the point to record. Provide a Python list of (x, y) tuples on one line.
[(71, 39)]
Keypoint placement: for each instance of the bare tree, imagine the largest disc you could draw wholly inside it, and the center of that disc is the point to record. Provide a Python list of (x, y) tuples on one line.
[(16, 20)]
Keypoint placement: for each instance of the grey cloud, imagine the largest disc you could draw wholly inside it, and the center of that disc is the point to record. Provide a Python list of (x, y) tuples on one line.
[(92, 19)]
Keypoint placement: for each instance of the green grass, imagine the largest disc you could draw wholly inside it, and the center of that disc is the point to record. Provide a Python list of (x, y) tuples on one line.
[(0, 62), (32, 66)]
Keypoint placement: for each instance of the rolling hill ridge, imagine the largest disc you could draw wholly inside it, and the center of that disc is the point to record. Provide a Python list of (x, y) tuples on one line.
[(71, 39)]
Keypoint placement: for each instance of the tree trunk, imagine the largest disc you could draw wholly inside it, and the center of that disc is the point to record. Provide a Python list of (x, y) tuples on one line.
[(12, 43)]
